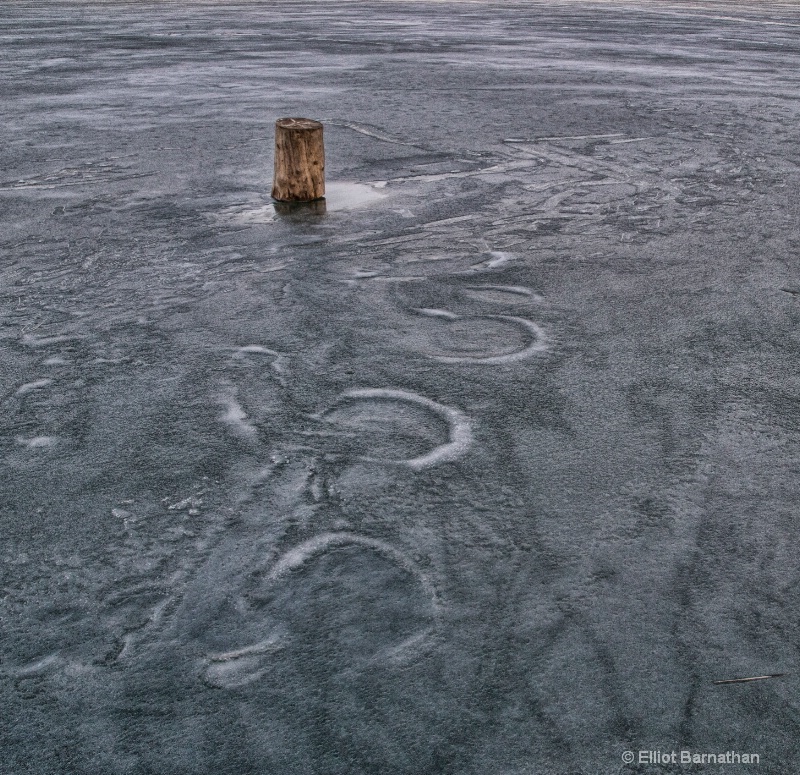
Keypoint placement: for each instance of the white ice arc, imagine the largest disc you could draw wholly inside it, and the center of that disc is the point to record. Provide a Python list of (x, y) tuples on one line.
[(459, 426)]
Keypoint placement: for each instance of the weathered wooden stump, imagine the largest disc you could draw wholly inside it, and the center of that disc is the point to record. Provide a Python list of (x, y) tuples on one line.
[(299, 160)]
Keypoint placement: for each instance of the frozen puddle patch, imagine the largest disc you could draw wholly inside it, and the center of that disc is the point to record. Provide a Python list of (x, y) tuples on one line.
[(480, 338), (400, 427), (339, 196), (349, 196), (245, 215)]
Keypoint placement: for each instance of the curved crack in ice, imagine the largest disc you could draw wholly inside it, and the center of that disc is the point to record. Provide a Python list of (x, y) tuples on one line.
[(515, 290), (518, 290), (29, 387), (436, 313), (266, 646)]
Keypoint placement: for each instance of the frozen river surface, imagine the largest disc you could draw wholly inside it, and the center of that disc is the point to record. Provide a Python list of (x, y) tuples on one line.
[(492, 468)]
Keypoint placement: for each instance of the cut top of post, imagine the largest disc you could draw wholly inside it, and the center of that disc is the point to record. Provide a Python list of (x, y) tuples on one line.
[(298, 124)]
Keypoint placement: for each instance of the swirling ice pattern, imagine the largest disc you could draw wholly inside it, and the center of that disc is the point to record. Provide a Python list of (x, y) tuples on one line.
[(238, 667), (459, 427), (296, 558), (538, 341)]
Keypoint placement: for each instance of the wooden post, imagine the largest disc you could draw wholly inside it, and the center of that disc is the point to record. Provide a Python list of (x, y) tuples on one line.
[(299, 161)]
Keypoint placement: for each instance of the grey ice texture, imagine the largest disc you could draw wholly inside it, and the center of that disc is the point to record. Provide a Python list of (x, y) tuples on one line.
[(490, 469)]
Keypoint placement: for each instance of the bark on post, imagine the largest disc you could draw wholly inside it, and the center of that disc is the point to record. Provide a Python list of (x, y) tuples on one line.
[(299, 161)]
